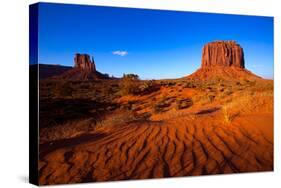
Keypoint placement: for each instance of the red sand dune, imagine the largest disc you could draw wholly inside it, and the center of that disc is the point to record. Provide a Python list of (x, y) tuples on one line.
[(179, 147)]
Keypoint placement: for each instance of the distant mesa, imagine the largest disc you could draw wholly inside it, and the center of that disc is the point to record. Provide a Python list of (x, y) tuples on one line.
[(222, 59)]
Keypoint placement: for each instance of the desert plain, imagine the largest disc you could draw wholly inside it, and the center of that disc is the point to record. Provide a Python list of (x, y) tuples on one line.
[(94, 127)]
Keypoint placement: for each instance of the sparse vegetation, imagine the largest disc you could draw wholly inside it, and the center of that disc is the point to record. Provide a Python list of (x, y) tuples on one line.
[(87, 107), (97, 128), (189, 85), (117, 119), (130, 76), (229, 114), (164, 103), (184, 103), (129, 86), (65, 90), (148, 87)]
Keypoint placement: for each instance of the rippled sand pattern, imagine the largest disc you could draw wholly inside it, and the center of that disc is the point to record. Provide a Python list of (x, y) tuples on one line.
[(178, 147)]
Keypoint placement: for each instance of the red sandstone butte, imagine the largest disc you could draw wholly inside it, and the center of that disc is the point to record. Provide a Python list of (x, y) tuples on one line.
[(84, 69), (223, 60), (83, 62), (223, 53)]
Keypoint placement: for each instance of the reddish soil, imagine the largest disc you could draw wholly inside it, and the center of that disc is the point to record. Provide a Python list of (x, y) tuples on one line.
[(226, 73), (231, 132)]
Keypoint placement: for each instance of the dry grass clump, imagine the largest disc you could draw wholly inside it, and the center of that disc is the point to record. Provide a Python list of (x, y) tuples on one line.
[(163, 104), (167, 83), (176, 114), (188, 84), (117, 119), (262, 86), (74, 128), (67, 130), (227, 92), (248, 102), (91, 90), (230, 112), (133, 86), (184, 103), (64, 90), (148, 87), (128, 86), (203, 99)]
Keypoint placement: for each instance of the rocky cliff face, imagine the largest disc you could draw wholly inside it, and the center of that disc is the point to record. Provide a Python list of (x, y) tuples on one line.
[(223, 53), (84, 63)]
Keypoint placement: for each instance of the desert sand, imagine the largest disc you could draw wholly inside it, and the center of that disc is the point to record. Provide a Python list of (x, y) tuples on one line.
[(218, 120)]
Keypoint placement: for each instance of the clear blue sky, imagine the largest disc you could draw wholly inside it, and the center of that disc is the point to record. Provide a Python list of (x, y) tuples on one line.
[(151, 43)]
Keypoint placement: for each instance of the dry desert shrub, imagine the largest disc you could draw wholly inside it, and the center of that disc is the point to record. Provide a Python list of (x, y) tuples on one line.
[(248, 102), (257, 102), (64, 90), (203, 99), (230, 112), (67, 130), (163, 103), (188, 84), (71, 129), (226, 93), (116, 119), (263, 86), (176, 114), (133, 86), (184, 103), (129, 86), (148, 87)]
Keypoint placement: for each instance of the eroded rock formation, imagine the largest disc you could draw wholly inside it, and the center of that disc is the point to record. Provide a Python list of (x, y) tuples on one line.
[(83, 62), (223, 53), (84, 69)]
